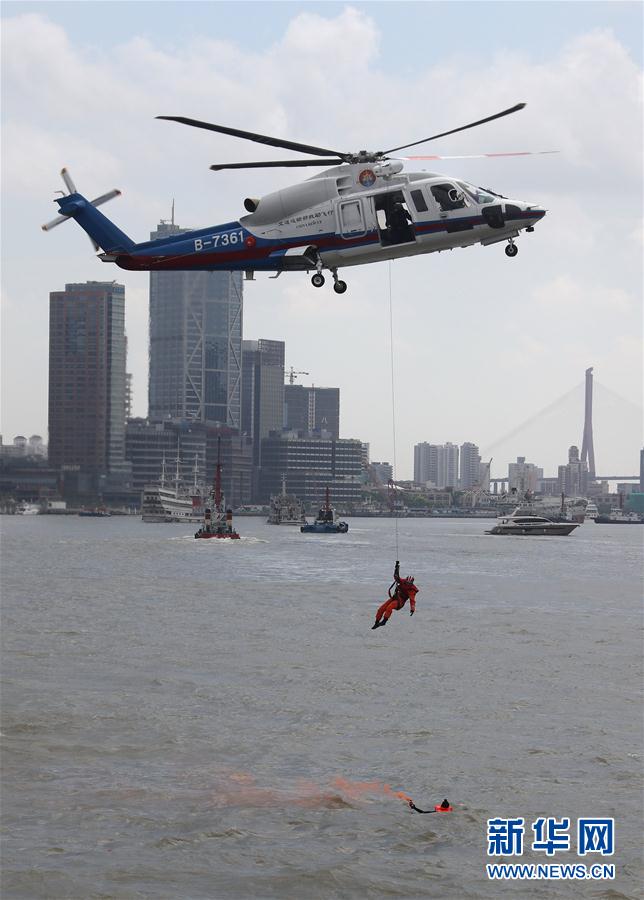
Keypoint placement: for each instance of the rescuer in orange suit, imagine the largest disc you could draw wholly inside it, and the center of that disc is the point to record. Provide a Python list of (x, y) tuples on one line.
[(404, 589)]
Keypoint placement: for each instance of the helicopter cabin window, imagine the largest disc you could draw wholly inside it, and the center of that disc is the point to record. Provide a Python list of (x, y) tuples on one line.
[(394, 218), (351, 217), (448, 196), (419, 201)]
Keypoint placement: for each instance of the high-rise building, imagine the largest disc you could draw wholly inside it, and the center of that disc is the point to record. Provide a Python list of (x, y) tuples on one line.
[(312, 410), (437, 464), (523, 476), (382, 472), (448, 466), (262, 391), (426, 463), (573, 478), (195, 344), (470, 466), (87, 380)]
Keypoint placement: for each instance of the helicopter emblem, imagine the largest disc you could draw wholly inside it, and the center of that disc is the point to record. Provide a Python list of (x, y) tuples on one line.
[(362, 208), (367, 178)]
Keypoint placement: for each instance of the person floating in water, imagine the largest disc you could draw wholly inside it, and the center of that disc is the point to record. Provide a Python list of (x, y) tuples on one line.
[(403, 589)]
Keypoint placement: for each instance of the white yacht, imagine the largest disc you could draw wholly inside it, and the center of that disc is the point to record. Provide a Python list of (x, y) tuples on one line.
[(28, 509), (172, 502), (524, 525)]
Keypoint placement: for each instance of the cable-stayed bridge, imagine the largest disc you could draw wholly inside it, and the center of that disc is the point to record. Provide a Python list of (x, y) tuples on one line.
[(568, 420)]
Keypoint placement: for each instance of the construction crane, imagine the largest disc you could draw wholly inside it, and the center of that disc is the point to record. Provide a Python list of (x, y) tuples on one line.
[(293, 373)]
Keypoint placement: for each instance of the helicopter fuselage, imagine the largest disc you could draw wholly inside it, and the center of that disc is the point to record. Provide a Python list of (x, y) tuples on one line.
[(346, 216)]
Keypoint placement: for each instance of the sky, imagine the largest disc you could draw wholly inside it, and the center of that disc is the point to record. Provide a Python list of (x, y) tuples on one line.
[(480, 342)]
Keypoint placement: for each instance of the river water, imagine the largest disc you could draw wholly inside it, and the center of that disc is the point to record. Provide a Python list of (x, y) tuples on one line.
[(211, 719)]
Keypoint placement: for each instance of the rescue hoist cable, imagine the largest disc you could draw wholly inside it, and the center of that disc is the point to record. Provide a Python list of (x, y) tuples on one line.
[(393, 413)]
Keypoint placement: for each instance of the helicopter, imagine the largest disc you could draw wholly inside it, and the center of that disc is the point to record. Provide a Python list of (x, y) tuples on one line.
[(361, 209)]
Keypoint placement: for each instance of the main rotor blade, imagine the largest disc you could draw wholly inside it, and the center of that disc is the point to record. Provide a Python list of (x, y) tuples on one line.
[(276, 163), (67, 178), (433, 137), (485, 155), (252, 136)]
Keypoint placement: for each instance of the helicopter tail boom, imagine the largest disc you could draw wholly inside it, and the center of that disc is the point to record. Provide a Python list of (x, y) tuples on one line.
[(100, 229), (102, 232)]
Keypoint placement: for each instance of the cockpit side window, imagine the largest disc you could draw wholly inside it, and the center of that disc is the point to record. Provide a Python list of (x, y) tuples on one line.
[(479, 195), (448, 196)]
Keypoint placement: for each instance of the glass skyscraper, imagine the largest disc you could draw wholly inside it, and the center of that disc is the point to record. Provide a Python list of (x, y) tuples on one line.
[(87, 379), (195, 344)]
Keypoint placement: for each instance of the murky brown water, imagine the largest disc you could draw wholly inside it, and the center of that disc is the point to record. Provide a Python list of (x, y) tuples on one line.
[(188, 719)]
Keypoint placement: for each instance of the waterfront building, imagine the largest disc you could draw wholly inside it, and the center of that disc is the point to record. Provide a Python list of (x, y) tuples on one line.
[(573, 477), (312, 410), (29, 478), (523, 476), (191, 448), (382, 472), (262, 391), (310, 465), (426, 463), (436, 464), (470, 463), (23, 448), (195, 344), (87, 384)]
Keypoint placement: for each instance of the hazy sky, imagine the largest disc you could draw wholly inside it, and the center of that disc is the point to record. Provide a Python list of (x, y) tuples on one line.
[(482, 342)]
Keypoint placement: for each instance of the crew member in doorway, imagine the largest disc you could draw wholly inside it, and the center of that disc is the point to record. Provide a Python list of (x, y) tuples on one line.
[(400, 591), (398, 223)]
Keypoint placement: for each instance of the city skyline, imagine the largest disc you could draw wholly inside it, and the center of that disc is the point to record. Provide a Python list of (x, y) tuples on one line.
[(480, 342)]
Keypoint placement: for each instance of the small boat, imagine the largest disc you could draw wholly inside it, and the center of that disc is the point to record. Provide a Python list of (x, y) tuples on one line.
[(28, 509), (286, 509), (523, 524), (97, 512), (619, 517), (217, 520), (326, 522)]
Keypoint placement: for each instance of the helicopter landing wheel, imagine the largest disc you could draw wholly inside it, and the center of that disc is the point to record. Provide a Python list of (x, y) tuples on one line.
[(340, 287), (511, 250), (317, 280)]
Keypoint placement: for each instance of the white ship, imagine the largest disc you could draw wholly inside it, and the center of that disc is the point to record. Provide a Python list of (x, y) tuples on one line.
[(28, 509), (286, 509), (591, 510), (172, 502)]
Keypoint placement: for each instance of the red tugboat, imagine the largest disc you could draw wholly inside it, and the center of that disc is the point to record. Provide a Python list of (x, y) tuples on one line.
[(217, 521)]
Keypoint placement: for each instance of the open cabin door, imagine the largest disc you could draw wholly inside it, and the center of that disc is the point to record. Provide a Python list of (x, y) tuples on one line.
[(394, 218)]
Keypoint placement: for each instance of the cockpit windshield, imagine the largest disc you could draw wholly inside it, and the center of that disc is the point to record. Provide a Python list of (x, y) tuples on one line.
[(477, 194)]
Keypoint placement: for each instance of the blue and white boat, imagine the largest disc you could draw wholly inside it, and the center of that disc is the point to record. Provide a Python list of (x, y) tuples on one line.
[(326, 522)]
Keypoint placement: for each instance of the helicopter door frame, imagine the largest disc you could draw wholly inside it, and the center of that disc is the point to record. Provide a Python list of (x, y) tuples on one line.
[(393, 234), (351, 225)]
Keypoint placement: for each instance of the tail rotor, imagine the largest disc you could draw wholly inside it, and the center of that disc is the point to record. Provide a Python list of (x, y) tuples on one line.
[(71, 187)]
